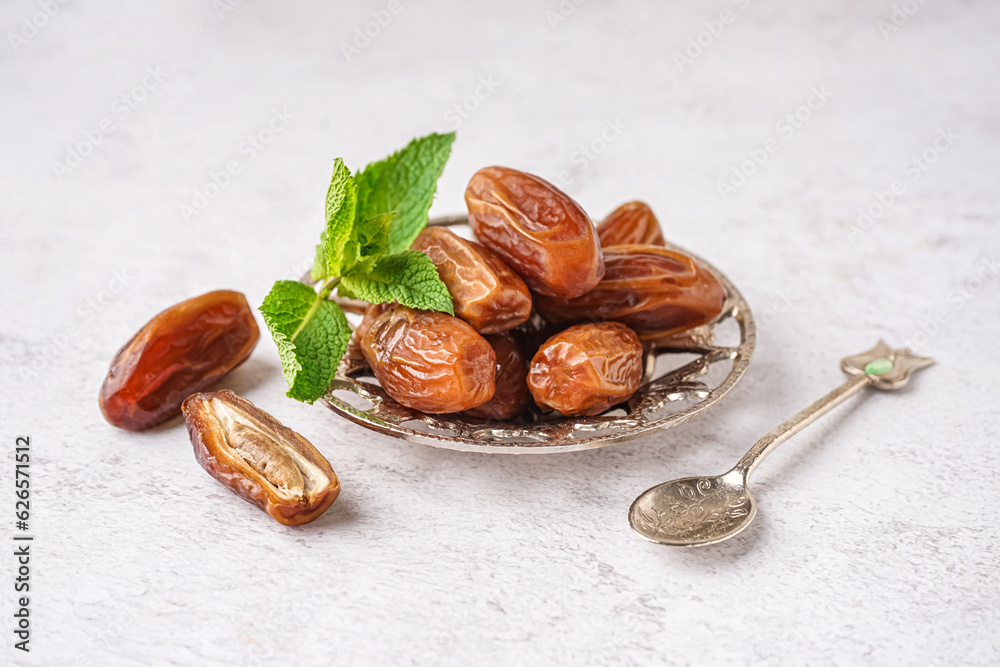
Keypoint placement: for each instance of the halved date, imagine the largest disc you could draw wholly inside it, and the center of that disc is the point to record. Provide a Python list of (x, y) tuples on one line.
[(653, 290), (185, 349), (430, 361), (259, 458), (486, 292), (537, 229), (632, 222), (586, 369)]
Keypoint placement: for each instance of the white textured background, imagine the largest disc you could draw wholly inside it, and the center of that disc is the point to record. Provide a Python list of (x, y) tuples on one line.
[(876, 541)]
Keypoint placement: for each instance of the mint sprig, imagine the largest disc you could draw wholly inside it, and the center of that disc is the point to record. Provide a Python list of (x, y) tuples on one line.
[(408, 277), (404, 182), (372, 218)]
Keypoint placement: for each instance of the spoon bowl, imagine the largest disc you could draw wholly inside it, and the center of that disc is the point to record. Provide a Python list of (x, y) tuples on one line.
[(694, 511)]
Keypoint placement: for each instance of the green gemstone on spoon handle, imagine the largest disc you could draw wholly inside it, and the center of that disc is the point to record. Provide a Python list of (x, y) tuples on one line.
[(878, 366)]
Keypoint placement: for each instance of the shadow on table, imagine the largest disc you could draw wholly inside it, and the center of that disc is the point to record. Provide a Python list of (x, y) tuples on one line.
[(254, 372), (343, 512)]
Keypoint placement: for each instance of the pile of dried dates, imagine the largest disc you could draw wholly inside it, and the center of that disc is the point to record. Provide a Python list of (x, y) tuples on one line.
[(551, 313)]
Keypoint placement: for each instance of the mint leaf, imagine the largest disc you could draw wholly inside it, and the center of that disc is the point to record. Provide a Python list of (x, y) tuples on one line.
[(369, 240), (404, 182), (408, 277), (311, 334), (341, 204)]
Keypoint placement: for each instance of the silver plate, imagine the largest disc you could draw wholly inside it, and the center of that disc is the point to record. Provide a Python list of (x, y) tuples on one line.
[(676, 388)]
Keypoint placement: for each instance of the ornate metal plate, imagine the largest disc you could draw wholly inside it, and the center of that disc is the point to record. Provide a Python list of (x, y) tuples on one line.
[(676, 388)]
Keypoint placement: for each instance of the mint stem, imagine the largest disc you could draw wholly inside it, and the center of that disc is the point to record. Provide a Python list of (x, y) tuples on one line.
[(324, 292), (327, 287)]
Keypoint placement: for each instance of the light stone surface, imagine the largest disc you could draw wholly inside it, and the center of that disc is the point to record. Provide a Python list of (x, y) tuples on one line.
[(876, 541)]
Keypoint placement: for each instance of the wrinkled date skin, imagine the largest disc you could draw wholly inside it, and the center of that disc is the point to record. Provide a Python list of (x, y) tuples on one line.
[(586, 369), (486, 292), (354, 357), (653, 290), (631, 223), (430, 361), (536, 229), (372, 312), (183, 350), (511, 398), (260, 459)]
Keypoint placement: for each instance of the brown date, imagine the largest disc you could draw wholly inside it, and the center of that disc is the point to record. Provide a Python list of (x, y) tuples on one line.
[(183, 350), (535, 228), (534, 332), (372, 311), (632, 222), (486, 292), (354, 357), (511, 397), (260, 459), (430, 361), (653, 290), (586, 369)]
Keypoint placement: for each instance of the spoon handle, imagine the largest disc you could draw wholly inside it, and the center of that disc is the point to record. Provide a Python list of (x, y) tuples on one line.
[(882, 367), (769, 442)]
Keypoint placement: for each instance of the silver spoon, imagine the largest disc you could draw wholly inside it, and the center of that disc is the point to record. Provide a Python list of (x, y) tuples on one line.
[(694, 511)]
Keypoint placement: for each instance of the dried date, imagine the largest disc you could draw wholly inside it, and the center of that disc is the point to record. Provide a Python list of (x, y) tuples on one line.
[(430, 361), (486, 292), (511, 398), (632, 222), (586, 369), (260, 459), (534, 332), (653, 290), (185, 349), (353, 356), (535, 228)]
